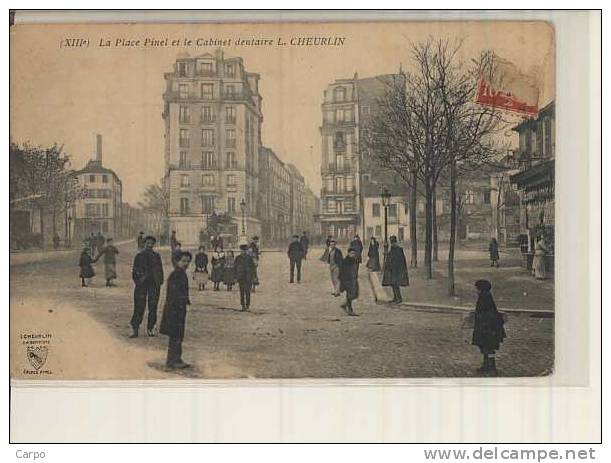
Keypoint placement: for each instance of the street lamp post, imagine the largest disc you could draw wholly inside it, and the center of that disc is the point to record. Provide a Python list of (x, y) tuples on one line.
[(385, 202), (69, 240), (243, 208)]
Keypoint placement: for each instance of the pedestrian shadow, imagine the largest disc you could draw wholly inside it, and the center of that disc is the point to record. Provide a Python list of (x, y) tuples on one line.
[(192, 372)]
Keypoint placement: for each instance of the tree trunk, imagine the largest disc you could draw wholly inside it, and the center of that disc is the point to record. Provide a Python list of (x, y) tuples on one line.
[(435, 246), (42, 227), (428, 242), (451, 288), (413, 226)]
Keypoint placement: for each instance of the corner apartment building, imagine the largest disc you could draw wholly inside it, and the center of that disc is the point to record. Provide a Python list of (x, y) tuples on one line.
[(212, 115), (347, 105), (100, 210)]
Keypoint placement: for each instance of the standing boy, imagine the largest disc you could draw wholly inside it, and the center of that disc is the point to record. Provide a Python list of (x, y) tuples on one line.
[(245, 272), (175, 311)]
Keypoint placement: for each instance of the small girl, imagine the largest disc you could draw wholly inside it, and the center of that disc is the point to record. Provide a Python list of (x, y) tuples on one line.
[(488, 330), (87, 271), (200, 275), (493, 251), (229, 271)]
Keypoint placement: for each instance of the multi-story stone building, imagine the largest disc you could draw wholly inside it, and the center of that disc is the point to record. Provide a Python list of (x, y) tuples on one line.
[(298, 219), (274, 196), (100, 210), (212, 115), (347, 106), (312, 213), (535, 158)]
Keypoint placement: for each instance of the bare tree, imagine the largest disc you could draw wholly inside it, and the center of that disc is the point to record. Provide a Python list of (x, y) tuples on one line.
[(156, 203), (43, 174)]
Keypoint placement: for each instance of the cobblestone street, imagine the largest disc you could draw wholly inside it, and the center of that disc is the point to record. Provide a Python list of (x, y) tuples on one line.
[(293, 331)]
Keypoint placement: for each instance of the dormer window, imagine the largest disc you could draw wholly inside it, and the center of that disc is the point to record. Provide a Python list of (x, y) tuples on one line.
[(182, 69), (339, 94), (206, 67), (230, 70)]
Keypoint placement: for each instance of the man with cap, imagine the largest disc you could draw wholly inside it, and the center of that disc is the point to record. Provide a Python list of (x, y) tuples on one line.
[(147, 273), (295, 253), (245, 273), (396, 268)]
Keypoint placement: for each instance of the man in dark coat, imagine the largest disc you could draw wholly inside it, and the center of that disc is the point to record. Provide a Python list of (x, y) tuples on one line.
[(175, 311), (295, 253), (147, 273), (488, 329), (357, 245), (396, 269), (140, 241), (349, 280), (245, 272), (176, 253), (305, 244)]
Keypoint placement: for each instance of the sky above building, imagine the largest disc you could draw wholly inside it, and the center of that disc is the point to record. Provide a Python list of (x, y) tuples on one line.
[(67, 95)]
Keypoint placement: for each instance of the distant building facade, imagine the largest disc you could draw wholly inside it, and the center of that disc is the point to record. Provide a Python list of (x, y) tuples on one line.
[(535, 159), (212, 115), (274, 196), (100, 209)]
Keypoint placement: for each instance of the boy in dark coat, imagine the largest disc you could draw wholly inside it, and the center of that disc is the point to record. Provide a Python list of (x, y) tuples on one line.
[(396, 270), (493, 250), (175, 311), (357, 245), (176, 253), (488, 330), (147, 273), (245, 272), (84, 263), (349, 280), (295, 253)]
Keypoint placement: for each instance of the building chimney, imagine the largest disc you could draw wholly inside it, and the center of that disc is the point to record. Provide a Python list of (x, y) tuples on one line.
[(98, 150)]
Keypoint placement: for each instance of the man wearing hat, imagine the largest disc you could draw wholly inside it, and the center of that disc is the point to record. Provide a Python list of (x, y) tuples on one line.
[(295, 253), (245, 273), (147, 273)]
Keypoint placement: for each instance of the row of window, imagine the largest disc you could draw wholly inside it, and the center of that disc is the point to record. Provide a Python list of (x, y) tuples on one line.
[(207, 138), (204, 68), (208, 160), (207, 180), (207, 114), (208, 205), (206, 91), (340, 206), (92, 178), (98, 193), (540, 139), (340, 115), (96, 210)]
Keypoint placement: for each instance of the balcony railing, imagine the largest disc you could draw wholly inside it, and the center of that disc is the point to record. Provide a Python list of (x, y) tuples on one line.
[(207, 120), (232, 95)]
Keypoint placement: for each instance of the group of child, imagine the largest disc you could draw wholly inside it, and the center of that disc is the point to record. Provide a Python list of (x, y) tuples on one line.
[(86, 261)]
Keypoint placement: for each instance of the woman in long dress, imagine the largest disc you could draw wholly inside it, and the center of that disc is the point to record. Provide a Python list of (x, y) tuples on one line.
[(488, 329), (85, 263), (218, 265), (229, 271), (373, 263), (539, 260)]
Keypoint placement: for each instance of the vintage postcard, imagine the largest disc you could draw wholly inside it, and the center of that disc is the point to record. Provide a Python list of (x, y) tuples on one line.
[(283, 200)]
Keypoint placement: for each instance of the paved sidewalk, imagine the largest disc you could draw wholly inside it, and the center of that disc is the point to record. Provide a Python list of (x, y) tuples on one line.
[(27, 257)]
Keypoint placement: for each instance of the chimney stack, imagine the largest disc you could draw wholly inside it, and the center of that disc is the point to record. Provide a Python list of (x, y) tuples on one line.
[(98, 150)]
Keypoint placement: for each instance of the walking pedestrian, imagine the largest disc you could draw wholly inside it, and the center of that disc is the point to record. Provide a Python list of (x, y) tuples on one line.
[(173, 241), (295, 253), (202, 237), (325, 254), (140, 241), (245, 272), (488, 329), (218, 264), (200, 275), (175, 311), (349, 280), (147, 274), (110, 253), (397, 269), (357, 245), (254, 252), (56, 241), (87, 272), (493, 250), (373, 254), (229, 271), (334, 259), (93, 244), (539, 270), (176, 253), (305, 244)]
